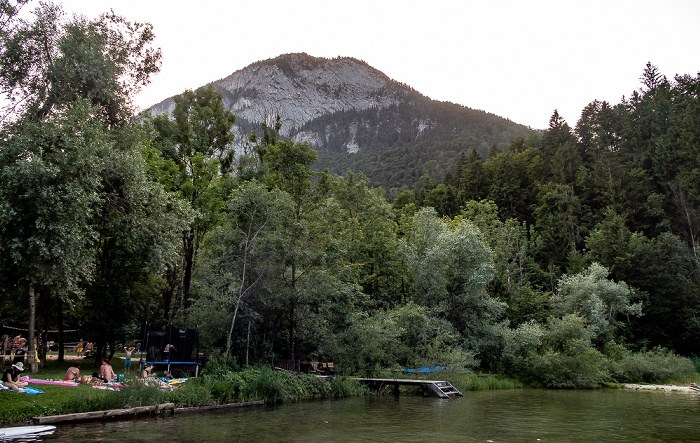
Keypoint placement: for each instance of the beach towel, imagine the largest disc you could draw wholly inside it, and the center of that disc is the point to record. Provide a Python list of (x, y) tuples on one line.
[(48, 382), (24, 390)]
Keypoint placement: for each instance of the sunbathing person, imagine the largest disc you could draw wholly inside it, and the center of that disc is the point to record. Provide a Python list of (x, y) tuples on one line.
[(73, 373), (106, 372), (148, 372), (149, 378)]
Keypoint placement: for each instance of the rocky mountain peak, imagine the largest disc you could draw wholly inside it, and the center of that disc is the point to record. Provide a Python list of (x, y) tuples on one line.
[(357, 118), (301, 88)]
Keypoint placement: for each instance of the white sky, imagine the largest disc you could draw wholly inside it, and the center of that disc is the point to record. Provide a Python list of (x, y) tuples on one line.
[(517, 59)]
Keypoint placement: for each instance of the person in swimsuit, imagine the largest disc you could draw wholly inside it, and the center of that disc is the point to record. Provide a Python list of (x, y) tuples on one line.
[(106, 372), (73, 373), (127, 359)]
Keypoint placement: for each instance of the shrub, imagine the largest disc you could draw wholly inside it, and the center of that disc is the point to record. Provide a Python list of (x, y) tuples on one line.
[(578, 366), (218, 364), (656, 366)]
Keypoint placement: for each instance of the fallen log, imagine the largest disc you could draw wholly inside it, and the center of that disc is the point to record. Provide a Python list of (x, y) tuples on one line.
[(105, 415), (194, 409)]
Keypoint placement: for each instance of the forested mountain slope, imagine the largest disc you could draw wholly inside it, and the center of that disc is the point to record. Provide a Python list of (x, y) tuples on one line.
[(358, 118)]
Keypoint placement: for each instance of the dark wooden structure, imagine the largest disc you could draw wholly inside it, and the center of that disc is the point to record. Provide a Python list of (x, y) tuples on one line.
[(443, 389), (106, 415)]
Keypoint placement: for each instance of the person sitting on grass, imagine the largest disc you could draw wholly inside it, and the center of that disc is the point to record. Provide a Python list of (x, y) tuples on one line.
[(149, 378), (148, 372), (10, 377), (106, 372), (73, 373)]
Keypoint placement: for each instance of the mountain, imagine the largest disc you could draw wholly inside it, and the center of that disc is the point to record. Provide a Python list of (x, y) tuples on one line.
[(357, 118)]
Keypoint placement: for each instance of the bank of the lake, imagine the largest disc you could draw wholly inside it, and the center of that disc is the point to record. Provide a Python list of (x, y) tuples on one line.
[(218, 388), (223, 387)]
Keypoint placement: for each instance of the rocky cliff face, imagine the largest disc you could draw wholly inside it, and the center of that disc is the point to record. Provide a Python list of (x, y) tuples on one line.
[(301, 88)]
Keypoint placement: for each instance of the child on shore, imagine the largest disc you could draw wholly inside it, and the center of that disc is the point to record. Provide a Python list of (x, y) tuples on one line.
[(127, 359)]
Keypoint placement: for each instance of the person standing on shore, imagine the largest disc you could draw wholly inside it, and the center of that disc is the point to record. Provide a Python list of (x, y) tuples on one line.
[(127, 359), (79, 348)]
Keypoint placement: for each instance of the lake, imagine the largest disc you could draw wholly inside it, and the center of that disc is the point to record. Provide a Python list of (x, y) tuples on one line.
[(523, 415)]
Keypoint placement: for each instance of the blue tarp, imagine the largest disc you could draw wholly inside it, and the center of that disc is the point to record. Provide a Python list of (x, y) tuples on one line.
[(425, 370)]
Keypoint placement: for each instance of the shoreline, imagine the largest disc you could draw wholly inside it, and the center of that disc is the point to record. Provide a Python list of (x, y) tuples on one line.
[(665, 388)]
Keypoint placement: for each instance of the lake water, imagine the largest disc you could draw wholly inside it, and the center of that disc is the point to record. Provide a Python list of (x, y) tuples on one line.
[(524, 415)]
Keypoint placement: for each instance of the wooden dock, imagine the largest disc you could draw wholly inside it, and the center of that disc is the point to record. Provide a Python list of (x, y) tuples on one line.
[(443, 389)]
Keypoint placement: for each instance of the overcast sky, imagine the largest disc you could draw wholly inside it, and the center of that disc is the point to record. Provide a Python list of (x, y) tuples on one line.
[(515, 58)]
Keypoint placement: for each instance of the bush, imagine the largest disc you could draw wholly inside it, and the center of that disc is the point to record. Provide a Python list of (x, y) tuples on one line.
[(218, 364), (578, 366), (656, 366)]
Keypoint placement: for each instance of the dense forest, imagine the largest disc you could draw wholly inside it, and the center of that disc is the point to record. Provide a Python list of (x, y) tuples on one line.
[(568, 259), (402, 144)]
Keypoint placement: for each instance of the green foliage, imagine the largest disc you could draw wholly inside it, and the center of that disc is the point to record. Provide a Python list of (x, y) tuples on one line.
[(467, 271), (470, 381), (406, 336), (655, 366), (193, 146), (49, 62), (597, 299), (341, 387), (262, 383), (576, 365), (48, 193), (220, 364), (451, 266), (567, 358)]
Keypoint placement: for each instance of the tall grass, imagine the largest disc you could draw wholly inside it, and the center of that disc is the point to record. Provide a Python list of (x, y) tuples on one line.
[(470, 381)]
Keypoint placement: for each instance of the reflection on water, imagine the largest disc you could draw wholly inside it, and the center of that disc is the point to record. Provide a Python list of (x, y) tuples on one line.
[(498, 416)]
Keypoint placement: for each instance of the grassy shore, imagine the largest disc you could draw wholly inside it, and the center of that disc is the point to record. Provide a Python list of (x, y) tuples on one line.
[(218, 385), (248, 384)]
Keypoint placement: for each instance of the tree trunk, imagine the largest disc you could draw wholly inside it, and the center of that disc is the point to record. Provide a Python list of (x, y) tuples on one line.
[(32, 316), (292, 326), (3, 301), (99, 352), (247, 344), (230, 332), (61, 351), (172, 283), (189, 246)]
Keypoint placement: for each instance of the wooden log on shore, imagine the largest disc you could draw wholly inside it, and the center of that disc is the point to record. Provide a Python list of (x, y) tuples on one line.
[(104, 415), (195, 409)]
